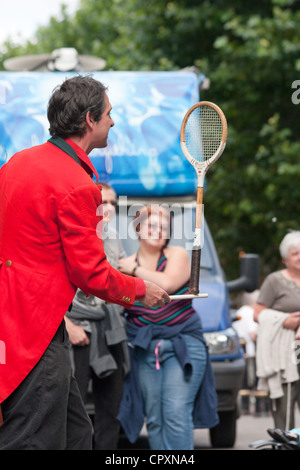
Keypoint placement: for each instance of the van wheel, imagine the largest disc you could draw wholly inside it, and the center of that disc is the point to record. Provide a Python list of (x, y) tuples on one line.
[(223, 435)]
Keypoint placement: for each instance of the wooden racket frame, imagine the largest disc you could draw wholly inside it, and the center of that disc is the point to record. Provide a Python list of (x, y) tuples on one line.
[(201, 169)]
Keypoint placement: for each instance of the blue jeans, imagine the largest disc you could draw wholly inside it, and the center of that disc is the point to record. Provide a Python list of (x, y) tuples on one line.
[(169, 397)]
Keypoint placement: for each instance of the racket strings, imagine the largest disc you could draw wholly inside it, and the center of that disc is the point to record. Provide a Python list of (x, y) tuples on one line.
[(203, 133)]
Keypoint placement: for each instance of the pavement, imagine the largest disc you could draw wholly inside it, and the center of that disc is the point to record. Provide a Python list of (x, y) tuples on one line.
[(250, 428)]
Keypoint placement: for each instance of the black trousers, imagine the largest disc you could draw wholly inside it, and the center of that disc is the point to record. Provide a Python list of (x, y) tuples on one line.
[(107, 394), (283, 408), (46, 411)]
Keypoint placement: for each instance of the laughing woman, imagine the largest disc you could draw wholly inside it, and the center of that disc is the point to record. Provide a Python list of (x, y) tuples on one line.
[(171, 382)]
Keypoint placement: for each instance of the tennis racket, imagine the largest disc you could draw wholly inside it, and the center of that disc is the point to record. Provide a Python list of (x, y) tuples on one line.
[(203, 138)]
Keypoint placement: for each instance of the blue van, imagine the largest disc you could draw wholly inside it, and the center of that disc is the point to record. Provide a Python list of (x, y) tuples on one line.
[(144, 163)]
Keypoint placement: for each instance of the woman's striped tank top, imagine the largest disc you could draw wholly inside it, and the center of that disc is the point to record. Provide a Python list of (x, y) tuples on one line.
[(172, 313)]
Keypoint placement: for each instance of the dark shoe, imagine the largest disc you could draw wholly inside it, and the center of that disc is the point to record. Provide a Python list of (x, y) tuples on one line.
[(271, 431), (282, 436)]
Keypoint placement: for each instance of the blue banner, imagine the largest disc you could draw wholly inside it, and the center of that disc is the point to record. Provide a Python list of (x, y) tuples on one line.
[(143, 156)]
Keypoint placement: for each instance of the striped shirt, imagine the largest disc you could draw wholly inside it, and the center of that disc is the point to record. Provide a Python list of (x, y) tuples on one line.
[(175, 312)]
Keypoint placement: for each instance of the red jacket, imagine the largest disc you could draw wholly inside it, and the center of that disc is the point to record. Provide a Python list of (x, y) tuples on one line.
[(48, 247)]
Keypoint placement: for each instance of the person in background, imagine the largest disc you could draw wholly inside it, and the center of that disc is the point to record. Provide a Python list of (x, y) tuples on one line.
[(49, 247), (99, 344), (170, 366), (277, 312), (246, 328)]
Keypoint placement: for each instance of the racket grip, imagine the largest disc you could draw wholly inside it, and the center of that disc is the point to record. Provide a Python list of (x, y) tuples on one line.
[(195, 271)]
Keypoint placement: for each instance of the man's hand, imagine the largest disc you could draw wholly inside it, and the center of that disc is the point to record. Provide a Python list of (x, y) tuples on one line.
[(155, 296)]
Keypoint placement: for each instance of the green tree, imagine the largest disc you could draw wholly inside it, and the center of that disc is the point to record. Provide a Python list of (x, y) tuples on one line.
[(255, 185)]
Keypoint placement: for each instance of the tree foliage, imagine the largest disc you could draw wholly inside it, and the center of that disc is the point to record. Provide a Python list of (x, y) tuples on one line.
[(250, 51)]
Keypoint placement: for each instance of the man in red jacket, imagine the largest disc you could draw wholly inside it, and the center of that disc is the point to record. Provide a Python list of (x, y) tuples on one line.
[(49, 247)]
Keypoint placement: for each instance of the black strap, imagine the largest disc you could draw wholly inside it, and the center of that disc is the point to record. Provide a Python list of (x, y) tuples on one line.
[(63, 145)]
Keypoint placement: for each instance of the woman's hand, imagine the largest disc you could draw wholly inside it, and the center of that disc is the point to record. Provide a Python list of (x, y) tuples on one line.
[(297, 336), (127, 265), (292, 321), (77, 335)]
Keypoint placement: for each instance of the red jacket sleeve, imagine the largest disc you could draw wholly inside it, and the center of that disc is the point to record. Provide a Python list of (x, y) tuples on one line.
[(86, 262)]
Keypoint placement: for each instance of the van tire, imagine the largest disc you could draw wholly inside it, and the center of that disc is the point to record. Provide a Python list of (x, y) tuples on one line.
[(223, 435)]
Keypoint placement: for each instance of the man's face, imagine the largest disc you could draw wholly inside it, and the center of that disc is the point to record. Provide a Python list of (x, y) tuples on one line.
[(109, 202), (102, 127)]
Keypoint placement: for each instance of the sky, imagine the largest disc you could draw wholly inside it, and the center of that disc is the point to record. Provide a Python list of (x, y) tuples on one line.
[(21, 18)]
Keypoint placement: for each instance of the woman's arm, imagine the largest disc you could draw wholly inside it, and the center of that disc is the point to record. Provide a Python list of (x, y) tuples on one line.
[(175, 275), (258, 308), (291, 322)]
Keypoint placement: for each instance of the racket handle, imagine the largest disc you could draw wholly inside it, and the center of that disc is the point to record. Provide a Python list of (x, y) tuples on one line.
[(195, 271)]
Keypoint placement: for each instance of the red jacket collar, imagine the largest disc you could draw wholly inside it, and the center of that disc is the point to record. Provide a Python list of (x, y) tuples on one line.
[(83, 157)]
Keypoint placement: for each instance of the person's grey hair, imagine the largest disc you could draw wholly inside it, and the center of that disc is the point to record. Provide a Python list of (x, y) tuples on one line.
[(290, 240)]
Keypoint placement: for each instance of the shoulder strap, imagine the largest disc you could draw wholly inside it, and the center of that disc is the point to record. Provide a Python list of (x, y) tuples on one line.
[(63, 145), (162, 260)]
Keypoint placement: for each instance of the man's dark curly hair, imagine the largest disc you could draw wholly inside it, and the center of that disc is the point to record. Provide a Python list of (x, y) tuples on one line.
[(70, 103)]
